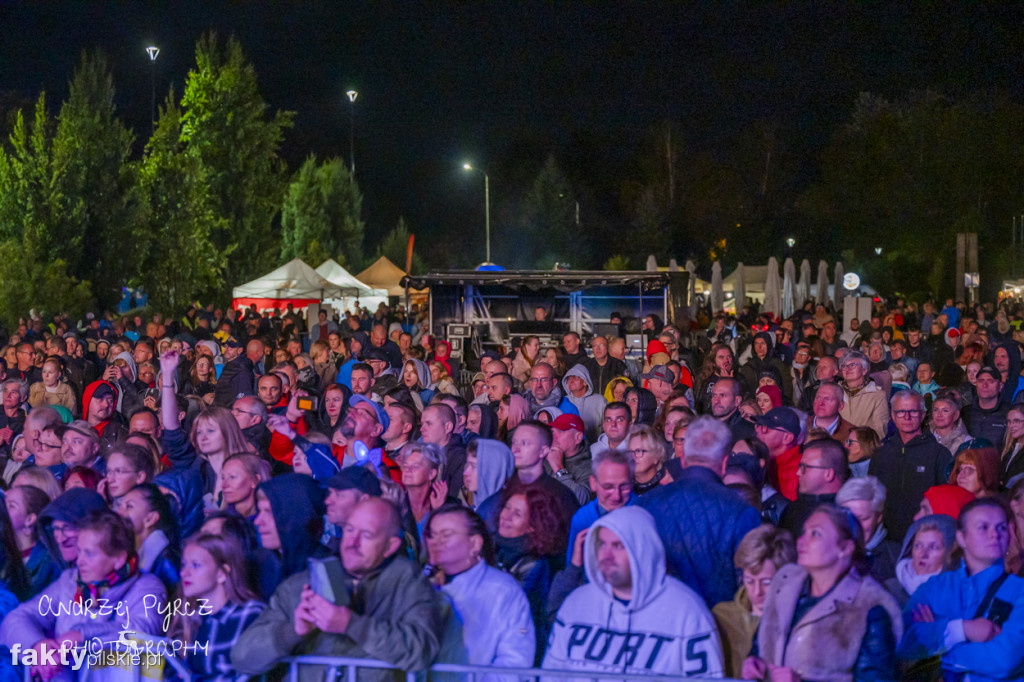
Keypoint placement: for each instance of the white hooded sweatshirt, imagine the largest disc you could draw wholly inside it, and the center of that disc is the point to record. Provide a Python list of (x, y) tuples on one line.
[(664, 628)]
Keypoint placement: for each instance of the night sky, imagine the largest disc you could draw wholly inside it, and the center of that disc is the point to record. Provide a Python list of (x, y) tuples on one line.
[(504, 84)]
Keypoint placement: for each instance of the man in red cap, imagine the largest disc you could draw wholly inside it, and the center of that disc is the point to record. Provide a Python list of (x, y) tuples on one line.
[(569, 456)]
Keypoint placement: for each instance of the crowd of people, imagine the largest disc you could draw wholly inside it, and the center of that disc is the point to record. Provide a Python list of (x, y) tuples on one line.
[(770, 499)]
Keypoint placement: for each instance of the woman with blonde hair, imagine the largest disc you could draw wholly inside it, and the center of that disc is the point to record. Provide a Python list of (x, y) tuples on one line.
[(759, 556), (240, 476), (52, 390), (1011, 466), (213, 575), (648, 450), (215, 436), (526, 358), (441, 379), (39, 477)]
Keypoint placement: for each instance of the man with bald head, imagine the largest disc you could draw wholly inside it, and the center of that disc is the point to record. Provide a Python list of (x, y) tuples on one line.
[(239, 376), (388, 610)]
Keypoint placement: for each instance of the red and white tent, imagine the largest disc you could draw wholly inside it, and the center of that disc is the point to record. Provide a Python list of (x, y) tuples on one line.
[(294, 282)]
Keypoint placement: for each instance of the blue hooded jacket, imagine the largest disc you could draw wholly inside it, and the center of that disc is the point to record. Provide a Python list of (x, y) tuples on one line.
[(186, 489)]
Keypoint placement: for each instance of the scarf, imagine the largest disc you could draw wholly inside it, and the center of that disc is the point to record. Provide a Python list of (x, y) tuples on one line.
[(553, 400), (909, 579), (90, 592)]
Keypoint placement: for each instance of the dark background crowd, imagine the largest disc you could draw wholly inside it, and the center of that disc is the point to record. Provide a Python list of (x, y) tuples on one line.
[(802, 498)]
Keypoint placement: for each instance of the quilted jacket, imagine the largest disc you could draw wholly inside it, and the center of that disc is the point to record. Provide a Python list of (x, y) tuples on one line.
[(701, 522)]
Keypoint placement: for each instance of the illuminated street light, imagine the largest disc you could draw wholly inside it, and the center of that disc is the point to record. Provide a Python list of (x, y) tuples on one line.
[(153, 51), (878, 250), (790, 242), (352, 94), (487, 207)]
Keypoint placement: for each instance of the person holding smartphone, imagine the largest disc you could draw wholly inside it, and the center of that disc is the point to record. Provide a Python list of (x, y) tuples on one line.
[(974, 616)]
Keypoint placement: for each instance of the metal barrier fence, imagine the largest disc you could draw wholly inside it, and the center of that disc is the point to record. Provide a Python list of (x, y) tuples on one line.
[(351, 666)]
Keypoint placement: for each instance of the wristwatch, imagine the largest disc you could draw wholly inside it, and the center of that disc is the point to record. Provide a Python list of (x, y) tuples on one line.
[(561, 472)]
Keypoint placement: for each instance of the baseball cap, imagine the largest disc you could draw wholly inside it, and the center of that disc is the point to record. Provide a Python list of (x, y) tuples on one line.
[(992, 372), (660, 372), (479, 376), (780, 418), (355, 478), (80, 427), (565, 422), (375, 354), (232, 342), (382, 416)]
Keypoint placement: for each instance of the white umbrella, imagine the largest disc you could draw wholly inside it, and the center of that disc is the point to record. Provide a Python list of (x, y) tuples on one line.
[(772, 304), (822, 282), (652, 263), (717, 296), (788, 290), (837, 288), (739, 289), (673, 266), (803, 287), (692, 269)]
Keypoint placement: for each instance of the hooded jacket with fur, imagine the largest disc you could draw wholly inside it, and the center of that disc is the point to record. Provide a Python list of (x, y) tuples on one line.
[(664, 628)]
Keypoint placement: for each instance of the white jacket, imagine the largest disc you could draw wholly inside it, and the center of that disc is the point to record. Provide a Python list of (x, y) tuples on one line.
[(665, 628), (497, 628)]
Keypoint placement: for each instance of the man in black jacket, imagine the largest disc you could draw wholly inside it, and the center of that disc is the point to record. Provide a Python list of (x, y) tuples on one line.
[(239, 376), (603, 367), (986, 417), (908, 463), (725, 403)]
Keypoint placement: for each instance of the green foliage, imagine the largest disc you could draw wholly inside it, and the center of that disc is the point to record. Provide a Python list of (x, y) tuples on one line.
[(97, 228), (27, 284), (181, 263), (226, 127), (321, 216), (650, 233), (908, 175), (617, 262), (395, 246), (548, 222)]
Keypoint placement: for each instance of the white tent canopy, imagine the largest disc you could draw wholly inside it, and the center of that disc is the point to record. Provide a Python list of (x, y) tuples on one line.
[(772, 288), (353, 291), (294, 282)]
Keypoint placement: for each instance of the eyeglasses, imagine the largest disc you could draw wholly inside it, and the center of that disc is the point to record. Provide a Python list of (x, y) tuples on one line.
[(805, 467), (850, 441), (235, 410), (51, 446), (903, 414), (64, 530), (638, 452)]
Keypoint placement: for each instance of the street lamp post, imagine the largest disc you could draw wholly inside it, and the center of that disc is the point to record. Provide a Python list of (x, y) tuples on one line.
[(352, 94), (487, 207), (153, 51)]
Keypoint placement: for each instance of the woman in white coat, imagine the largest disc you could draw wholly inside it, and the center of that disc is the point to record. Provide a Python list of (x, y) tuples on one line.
[(497, 628)]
